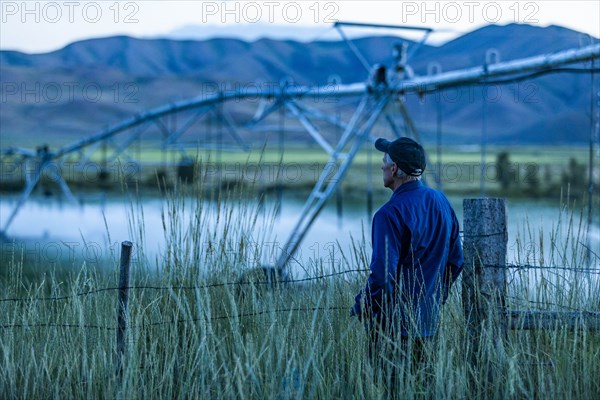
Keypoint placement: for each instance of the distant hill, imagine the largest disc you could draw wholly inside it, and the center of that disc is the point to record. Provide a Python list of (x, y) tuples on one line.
[(74, 91)]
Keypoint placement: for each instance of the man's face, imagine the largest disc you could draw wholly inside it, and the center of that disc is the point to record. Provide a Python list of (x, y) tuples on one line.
[(389, 170)]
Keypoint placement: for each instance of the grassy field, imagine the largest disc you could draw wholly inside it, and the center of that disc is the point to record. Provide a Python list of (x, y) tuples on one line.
[(525, 172), (200, 328)]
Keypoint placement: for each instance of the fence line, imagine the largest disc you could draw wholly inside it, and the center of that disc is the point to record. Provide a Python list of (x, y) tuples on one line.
[(546, 303), (290, 281), (514, 315), (53, 325), (526, 320), (547, 268), (207, 286), (179, 321)]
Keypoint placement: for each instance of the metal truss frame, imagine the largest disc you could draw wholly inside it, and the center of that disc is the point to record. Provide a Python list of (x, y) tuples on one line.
[(375, 98)]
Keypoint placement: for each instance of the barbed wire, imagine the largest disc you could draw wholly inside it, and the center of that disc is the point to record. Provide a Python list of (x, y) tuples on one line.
[(251, 314), (483, 235), (55, 325), (180, 321), (239, 316), (57, 298), (543, 303), (281, 283), (273, 282), (548, 268)]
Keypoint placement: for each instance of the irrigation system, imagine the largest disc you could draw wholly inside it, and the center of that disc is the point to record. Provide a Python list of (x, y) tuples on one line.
[(378, 97)]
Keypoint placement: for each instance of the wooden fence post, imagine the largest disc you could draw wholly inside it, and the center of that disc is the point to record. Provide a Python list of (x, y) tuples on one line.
[(484, 274), (122, 314)]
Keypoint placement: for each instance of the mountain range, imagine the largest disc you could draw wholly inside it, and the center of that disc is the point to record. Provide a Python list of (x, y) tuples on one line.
[(87, 85)]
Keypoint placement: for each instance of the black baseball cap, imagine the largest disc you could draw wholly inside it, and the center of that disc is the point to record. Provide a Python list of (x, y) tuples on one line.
[(408, 155)]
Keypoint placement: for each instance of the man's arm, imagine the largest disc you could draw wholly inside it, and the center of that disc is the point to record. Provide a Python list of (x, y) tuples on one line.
[(455, 258), (384, 262)]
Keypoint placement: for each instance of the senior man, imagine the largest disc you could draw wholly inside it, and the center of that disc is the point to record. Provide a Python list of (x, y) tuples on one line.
[(417, 255)]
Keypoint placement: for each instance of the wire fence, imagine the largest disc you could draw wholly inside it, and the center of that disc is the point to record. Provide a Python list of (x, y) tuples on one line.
[(193, 287), (275, 285), (179, 321), (281, 283)]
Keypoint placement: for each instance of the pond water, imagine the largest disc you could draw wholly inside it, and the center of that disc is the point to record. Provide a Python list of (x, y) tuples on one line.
[(51, 230)]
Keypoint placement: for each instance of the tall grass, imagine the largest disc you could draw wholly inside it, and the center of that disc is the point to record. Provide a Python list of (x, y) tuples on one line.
[(197, 331)]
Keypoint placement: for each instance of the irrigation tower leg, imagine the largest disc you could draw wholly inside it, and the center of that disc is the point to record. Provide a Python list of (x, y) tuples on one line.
[(358, 130)]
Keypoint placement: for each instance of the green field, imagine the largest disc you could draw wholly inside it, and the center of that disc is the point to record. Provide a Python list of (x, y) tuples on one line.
[(310, 154), (549, 172)]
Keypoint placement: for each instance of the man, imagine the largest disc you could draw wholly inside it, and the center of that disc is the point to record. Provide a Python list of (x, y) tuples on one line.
[(417, 255)]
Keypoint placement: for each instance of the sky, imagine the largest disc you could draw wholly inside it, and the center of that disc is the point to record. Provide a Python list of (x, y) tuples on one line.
[(42, 26)]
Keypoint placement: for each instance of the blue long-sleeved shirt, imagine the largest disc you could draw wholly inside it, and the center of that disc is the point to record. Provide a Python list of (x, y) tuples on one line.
[(417, 255)]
